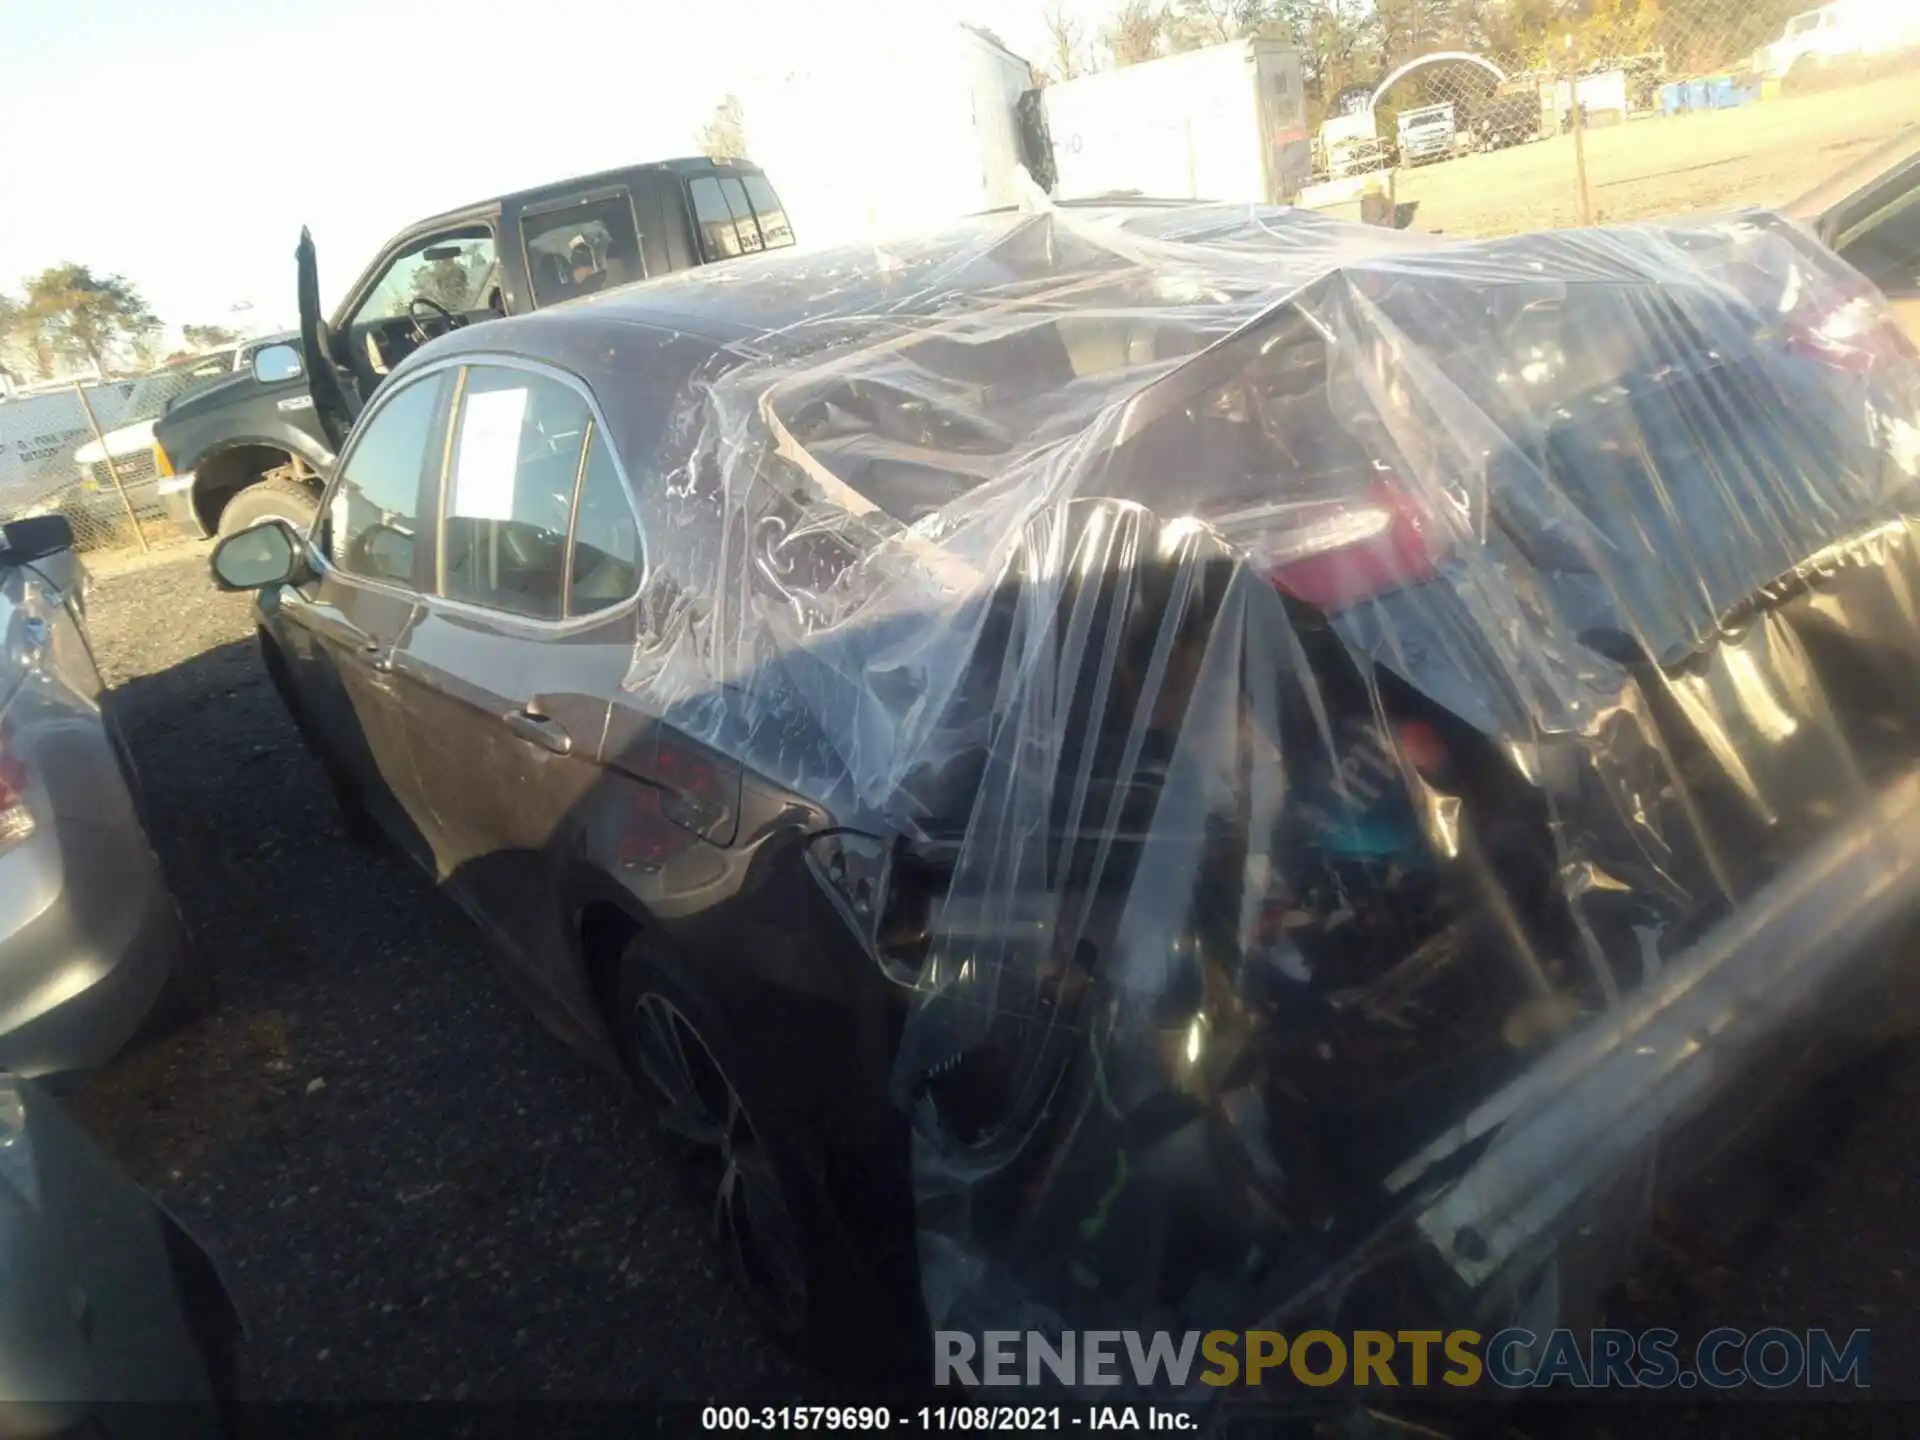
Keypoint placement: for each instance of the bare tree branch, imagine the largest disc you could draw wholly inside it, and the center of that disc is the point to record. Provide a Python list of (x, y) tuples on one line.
[(1137, 32), (1066, 42)]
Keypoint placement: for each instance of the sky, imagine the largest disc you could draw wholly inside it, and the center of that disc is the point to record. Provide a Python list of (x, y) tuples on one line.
[(183, 143)]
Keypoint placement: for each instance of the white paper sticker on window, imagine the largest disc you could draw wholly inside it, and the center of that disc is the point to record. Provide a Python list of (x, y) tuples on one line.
[(489, 454)]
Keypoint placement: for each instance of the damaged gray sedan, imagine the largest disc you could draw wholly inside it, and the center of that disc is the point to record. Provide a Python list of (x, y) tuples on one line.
[(1301, 756)]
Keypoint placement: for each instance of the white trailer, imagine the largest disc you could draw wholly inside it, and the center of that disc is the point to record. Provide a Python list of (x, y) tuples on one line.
[(1225, 123), (908, 130)]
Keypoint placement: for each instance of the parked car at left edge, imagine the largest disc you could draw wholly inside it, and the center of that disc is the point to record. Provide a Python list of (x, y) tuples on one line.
[(92, 946), (115, 1324)]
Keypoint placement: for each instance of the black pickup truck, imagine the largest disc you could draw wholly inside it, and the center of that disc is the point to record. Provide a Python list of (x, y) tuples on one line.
[(255, 447)]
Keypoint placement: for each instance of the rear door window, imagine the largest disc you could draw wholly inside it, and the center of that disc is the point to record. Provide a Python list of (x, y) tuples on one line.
[(518, 441), (767, 208), (579, 248), (719, 237)]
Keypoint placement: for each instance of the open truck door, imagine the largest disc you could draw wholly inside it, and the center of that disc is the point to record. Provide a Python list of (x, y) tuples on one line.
[(336, 397)]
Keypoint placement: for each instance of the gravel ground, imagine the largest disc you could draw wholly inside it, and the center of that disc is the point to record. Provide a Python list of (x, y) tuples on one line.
[(417, 1193)]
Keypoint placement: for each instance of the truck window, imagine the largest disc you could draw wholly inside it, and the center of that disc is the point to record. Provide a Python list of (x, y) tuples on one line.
[(456, 270), (767, 208), (743, 221), (579, 248), (719, 240)]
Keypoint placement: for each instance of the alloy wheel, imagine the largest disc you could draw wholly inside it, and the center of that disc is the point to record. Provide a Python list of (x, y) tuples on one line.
[(700, 1104)]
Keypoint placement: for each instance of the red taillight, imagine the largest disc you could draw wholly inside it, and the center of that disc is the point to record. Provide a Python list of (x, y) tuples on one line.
[(1359, 549), (1852, 331), (1422, 746)]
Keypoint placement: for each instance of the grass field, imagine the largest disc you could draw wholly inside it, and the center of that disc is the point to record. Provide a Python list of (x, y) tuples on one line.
[(1764, 154)]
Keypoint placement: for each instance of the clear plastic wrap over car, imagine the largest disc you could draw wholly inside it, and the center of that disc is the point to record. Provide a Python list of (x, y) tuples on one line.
[(1363, 734)]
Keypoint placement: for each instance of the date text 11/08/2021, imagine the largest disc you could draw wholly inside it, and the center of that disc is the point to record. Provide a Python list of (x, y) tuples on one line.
[(935, 1419)]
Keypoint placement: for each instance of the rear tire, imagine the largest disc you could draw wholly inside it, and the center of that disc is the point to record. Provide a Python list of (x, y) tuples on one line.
[(276, 499), (789, 1255)]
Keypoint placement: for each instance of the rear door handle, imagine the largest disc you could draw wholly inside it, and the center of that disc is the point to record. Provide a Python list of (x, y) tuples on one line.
[(377, 656), (547, 733)]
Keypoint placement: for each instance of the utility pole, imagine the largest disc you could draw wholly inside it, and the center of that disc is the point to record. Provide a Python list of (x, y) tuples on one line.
[(1579, 129)]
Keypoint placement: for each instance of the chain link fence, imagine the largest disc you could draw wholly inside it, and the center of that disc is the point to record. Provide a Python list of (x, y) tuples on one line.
[(85, 451), (1509, 115)]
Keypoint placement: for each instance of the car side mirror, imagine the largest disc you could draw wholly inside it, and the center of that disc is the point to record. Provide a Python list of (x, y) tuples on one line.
[(277, 363), (35, 538), (259, 556)]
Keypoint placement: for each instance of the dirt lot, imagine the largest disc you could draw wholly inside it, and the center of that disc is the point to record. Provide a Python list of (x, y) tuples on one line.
[(1765, 154), (418, 1193)]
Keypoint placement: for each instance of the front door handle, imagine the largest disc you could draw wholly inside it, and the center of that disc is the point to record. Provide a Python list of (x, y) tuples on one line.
[(541, 730), (377, 656)]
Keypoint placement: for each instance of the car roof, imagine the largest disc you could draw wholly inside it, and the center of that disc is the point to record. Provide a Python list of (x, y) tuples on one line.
[(686, 166)]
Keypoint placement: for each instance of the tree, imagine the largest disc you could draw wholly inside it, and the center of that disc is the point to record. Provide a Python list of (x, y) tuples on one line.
[(1619, 28), (1412, 28), (1136, 33), (1196, 24), (1339, 43), (1066, 42), (1700, 34), (724, 137), (80, 315), (208, 337), (10, 326)]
